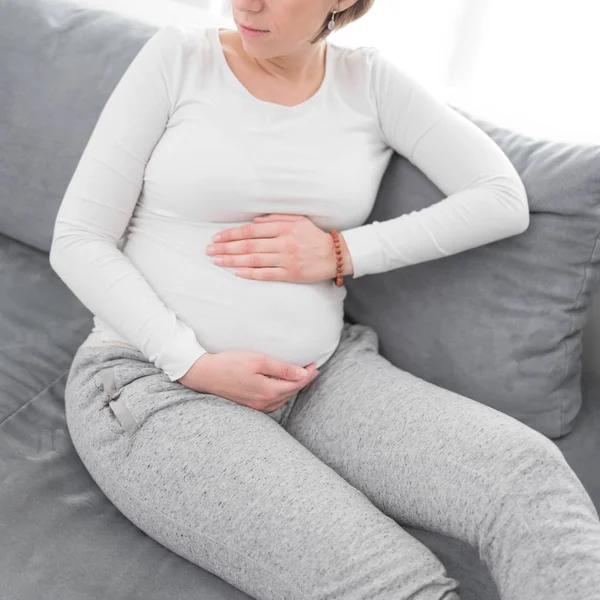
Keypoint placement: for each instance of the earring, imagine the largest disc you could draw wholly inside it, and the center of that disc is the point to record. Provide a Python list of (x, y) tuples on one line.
[(331, 24)]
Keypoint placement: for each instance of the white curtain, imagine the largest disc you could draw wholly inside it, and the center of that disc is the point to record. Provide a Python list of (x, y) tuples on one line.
[(533, 65), (530, 64)]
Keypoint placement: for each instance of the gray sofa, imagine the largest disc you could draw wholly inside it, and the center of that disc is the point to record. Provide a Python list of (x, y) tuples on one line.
[(61, 538)]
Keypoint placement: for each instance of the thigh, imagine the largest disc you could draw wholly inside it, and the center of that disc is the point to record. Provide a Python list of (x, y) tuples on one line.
[(227, 488), (426, 456)]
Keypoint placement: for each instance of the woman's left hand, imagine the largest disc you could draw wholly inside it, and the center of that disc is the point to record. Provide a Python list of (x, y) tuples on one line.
[(279, 247)]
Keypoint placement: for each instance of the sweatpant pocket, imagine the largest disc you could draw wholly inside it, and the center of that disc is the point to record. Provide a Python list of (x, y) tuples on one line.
[(132, 391)]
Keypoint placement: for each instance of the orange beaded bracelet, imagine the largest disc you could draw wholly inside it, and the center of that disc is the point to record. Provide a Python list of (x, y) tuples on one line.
[(339, 279)]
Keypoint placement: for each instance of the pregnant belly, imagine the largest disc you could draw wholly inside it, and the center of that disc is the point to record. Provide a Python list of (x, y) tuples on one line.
[(293, 322)]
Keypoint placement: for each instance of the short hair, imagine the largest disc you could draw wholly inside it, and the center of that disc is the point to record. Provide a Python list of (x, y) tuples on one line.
[(343, 18)]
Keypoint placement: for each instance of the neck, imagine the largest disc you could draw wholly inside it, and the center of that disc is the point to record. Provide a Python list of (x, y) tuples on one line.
[(303, 65)]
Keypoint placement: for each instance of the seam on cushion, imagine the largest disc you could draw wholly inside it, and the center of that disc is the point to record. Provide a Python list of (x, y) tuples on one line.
[(583, 280), (179, 525), (34, 398)]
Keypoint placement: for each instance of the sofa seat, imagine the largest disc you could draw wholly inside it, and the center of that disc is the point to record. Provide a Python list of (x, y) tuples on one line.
[(64, 538)]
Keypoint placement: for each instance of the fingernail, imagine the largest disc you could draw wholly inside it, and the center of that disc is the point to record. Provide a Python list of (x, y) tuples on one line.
[(301, 372)]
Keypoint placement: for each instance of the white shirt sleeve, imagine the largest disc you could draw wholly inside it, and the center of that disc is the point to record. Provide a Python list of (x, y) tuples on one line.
[(99, 203), (486, 199)]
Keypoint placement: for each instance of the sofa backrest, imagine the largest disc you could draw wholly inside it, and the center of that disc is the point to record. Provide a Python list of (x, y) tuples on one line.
[(61, 59)]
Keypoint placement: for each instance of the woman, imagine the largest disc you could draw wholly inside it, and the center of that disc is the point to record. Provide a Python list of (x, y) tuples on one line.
[(184, 402)]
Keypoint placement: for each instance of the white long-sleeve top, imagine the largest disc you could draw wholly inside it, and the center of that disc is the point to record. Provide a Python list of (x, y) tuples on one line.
[(182, 150)]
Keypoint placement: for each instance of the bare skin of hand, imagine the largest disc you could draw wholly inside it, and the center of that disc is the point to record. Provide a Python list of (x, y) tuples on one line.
[(280, 247), (248, 378)]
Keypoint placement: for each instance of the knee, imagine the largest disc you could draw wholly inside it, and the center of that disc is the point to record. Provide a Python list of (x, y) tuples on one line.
[(544, 448), (534, 455), (539, 469)]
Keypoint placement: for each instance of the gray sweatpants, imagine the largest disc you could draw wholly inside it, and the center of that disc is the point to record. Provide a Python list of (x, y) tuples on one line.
[(307, 502)]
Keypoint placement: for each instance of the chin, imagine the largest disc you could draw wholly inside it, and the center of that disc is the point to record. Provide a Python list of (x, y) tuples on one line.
[(257, 49)]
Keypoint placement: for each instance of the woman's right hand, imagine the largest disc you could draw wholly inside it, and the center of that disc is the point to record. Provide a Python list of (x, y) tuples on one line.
[(248, 378)]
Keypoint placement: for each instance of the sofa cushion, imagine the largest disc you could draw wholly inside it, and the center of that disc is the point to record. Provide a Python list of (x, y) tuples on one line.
[(581, 448), (501, 323), (60, 64), (61, 536), (50, 507), (41, 325)]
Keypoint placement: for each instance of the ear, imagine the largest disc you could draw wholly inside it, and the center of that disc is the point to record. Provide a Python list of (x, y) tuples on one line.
[(343, 5)]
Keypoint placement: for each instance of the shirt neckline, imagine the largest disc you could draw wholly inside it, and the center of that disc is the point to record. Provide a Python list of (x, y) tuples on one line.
[(239, 87)]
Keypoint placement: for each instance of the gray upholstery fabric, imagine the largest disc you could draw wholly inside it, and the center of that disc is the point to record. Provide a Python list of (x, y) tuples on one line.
[(51, 507), (60, 63), (49, 504), (500, 323), (61, 537)]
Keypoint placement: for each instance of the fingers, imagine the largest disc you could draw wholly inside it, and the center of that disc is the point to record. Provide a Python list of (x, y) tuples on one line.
[(276, 404), (282, 380), (246, 246), (249, 230), (283, 386), (283, 370), (254, 261)]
